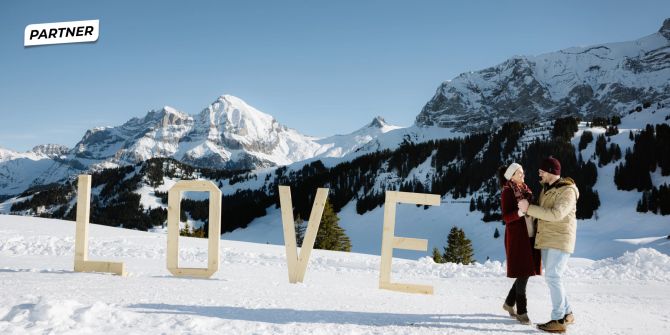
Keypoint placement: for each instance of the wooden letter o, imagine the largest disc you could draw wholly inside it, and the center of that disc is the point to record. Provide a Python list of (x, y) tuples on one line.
[(174, 203)]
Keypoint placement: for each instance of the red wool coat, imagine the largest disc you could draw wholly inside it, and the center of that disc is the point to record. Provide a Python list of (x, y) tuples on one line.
[(523, 260)]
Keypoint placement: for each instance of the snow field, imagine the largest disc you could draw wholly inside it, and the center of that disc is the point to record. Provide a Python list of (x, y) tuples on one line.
[(250, 294)]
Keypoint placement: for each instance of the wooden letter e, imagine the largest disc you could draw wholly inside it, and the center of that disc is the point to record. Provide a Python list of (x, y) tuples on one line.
[(390, 241)]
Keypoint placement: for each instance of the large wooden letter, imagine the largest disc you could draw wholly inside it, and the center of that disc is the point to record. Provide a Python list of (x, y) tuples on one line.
[(298, 265), (390, 241), (174, 204), (81, 262)]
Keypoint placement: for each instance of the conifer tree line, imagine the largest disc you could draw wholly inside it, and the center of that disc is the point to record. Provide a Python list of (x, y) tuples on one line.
[(584, 174), (605, 153), (605, 122), (656, 200), (649, 153)]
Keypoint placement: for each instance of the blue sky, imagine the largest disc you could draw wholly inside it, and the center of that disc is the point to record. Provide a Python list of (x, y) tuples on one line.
[(321, 67)]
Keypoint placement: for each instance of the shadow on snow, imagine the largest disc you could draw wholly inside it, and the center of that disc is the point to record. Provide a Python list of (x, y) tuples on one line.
[(373, 319)]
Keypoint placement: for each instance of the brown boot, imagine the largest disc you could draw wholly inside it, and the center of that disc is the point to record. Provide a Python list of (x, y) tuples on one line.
[(510, 310), (523, 318), (569, 319), (553, 326)]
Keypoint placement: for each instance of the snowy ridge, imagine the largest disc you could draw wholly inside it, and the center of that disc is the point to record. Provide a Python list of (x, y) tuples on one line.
[(227, 134), (44, 164), (251, 294), (600, 80), (342, 145)]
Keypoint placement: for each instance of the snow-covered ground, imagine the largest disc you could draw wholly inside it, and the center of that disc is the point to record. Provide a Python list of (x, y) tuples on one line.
[(250, 294)]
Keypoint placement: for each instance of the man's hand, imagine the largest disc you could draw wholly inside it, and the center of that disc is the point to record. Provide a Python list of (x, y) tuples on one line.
[(523, 205)]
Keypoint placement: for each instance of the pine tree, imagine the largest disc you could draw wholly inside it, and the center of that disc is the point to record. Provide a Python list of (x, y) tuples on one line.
[(496, 234), (190, 232), (330, 235), (459, 247), (587, 137), (602, 152), (300, 228), (643, 204), (472, 204), (186, 231), (664, 199), (437, 256)]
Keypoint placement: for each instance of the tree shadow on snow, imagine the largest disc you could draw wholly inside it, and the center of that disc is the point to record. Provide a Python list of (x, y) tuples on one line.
[(287, 316)]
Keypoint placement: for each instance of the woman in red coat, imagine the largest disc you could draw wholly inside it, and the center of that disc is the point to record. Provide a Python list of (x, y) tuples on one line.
[(523, 260)]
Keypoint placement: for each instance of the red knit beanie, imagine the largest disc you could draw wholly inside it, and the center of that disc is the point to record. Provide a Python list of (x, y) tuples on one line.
[(551, 165)]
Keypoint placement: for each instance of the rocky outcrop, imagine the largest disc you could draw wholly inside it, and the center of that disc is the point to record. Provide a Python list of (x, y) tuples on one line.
[(596, 81)]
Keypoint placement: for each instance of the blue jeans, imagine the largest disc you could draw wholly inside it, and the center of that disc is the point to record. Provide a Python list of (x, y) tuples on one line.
[(555, 262)]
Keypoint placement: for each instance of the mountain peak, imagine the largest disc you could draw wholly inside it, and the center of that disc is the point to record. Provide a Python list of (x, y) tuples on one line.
[(237, 116), (665, 29), (378, 122), (230, 99)]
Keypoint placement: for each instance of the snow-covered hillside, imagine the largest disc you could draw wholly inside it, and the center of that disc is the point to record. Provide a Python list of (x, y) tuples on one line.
[(250, 294), (616, 228)]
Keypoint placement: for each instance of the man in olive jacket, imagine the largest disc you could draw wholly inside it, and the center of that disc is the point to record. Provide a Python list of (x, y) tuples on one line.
[(556, 235)]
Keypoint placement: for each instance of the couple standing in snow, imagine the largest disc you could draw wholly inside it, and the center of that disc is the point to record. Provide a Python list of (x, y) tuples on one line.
[(542, 231)]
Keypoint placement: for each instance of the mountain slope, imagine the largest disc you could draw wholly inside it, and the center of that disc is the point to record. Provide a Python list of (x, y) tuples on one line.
[(614, 228)]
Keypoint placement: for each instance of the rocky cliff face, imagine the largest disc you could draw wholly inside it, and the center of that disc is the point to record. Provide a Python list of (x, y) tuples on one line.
[(600, 80)]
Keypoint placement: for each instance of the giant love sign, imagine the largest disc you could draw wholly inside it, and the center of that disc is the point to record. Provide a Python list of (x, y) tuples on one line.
[(297, 263)]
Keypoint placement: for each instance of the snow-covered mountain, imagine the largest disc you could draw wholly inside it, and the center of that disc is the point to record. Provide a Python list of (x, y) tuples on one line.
[(342, 145), (599, 80), (227, 134), (44, 164)]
